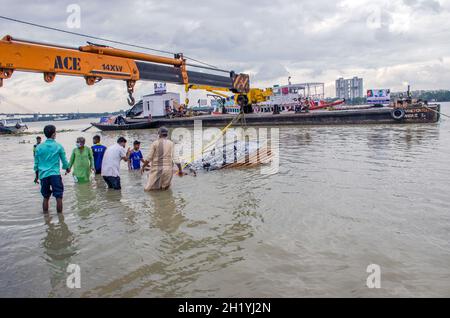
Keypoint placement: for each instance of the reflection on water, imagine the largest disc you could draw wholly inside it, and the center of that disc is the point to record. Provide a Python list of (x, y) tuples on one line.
[(182, 256), (404, 138), (85, 200), (166, 213), (59, 247), (345, 197)]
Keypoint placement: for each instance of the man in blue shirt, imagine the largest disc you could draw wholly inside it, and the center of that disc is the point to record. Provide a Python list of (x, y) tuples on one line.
[(136, 157), (47, 167), (98, 151)]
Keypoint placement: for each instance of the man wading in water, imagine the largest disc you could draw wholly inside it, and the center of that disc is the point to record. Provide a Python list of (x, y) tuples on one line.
[(47, 166), (111, 163), (161, 160)]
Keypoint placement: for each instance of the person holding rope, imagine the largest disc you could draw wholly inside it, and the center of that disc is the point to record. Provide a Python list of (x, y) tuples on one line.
[(161, 160)]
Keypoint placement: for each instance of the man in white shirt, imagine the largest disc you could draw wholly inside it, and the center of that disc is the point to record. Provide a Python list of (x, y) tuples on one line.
[(111, 163)]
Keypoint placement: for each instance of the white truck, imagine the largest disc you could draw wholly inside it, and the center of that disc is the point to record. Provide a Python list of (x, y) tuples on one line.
[(159, 105)]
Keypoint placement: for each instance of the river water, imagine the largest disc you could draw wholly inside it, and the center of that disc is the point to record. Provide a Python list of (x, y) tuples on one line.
[(345, 197)]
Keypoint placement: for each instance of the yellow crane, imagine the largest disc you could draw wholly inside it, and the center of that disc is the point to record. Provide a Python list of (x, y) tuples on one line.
[(245, 100)]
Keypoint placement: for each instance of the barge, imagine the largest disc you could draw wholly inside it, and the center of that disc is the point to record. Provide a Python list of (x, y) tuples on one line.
[(413, 114)]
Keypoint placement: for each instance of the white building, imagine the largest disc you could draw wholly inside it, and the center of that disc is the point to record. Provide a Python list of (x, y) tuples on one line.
[(158, 105), (349, 88)]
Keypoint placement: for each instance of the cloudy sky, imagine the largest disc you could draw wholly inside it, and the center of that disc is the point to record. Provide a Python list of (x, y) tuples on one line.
[(388, 43)]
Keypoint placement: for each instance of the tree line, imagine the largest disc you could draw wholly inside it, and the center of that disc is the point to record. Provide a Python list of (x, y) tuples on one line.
[(431, 96)]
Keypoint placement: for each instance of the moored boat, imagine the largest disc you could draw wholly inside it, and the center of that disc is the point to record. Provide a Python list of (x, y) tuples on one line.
[(120, 123), (381, 115), (127, 126), (288, 107), (414, 114), (12, 126)]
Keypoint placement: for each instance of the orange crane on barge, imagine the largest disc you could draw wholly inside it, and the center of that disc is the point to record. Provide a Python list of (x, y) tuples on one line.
[(96, 62)]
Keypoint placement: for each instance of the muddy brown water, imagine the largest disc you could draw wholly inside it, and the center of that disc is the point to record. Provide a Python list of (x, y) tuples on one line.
[(345, 197)]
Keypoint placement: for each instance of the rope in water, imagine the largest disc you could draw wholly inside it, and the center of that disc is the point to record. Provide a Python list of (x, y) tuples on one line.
[(438, 112)]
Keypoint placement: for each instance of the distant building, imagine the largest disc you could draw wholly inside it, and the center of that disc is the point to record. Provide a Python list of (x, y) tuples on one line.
[(349, 88)]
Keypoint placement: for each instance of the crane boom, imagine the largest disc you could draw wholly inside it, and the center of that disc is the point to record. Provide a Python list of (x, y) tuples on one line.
[(98, 62)]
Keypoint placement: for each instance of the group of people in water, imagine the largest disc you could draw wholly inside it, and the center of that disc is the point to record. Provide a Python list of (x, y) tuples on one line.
[(101, 160)]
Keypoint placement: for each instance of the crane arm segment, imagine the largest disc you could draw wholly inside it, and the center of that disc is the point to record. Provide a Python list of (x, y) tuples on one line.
[(97, 62)]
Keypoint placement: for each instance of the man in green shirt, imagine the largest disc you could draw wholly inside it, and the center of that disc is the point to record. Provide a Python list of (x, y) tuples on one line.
[(47, 167), (38, 142)]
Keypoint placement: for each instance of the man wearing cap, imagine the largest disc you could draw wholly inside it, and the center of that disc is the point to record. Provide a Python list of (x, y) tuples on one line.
[(161, 160)]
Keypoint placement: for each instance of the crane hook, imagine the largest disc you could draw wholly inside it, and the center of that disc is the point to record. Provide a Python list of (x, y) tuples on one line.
[(131, 100), (130, 89)]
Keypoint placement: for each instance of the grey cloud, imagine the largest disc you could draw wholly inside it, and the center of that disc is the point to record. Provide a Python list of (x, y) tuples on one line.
[(424, 5), (106, 92), (268, 71)]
